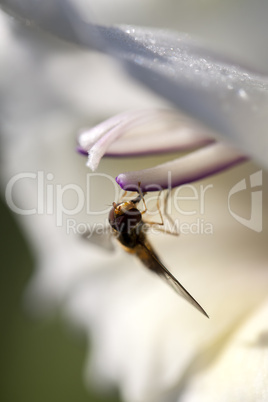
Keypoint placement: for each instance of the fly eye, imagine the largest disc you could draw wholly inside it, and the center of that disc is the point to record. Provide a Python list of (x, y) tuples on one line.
[(126, 222), (112, 216)]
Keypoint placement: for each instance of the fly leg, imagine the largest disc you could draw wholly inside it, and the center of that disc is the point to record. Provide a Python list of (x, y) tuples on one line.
[(167, 215), (171, 221), (162, 223), (141, 197), (123, 196)]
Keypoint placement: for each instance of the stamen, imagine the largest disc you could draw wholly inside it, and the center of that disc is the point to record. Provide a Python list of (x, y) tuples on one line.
[(206, 161)]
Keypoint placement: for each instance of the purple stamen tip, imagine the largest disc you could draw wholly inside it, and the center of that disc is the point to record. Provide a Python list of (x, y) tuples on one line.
[(127, 185), (119, 181), (122, 181), (81, 150)]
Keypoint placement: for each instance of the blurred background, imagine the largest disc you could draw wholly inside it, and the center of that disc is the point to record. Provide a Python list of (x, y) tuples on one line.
[(40, 360)]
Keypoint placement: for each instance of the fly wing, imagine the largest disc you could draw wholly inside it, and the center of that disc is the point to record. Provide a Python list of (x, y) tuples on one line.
[(149, 258), (102, 239)]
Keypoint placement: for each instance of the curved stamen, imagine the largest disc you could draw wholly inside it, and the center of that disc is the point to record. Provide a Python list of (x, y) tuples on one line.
[(194, 166)]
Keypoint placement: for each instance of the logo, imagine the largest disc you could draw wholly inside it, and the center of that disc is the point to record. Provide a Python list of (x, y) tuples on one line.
[(255, 220)]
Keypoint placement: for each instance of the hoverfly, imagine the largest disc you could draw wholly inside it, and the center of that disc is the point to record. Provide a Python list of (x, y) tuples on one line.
[(127, 225)]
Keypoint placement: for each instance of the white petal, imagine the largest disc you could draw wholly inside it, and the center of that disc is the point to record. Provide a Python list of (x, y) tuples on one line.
[(230, 99), (240, 372), (227, 97), (144, 337)]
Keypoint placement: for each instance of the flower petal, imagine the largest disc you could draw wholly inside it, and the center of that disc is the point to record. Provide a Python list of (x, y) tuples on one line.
[(241, 371), (145, 339), (194, 166), (232, 100)]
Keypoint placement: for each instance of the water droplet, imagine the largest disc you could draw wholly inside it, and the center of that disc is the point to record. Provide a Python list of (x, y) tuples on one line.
[(138, 60), (242, 94)]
